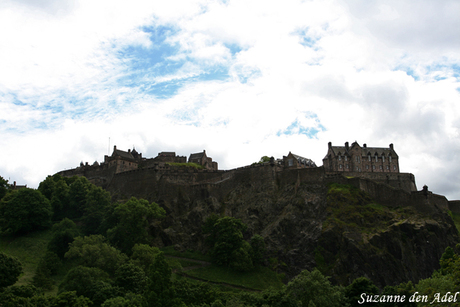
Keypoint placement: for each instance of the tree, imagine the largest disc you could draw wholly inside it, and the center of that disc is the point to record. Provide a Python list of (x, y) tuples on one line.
[(95, 207), (257, 249), (360, 285), (131, 223), (10, 269), (226, 240), (160, 292), (3, 187), (64, 233), (23, 211), (144, 255), (92, 251), (92, 283), (131, 278), (313, 288)]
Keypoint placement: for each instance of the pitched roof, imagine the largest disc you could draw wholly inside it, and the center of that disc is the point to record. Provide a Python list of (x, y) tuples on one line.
[(303, 160), (197, 155), (365, 150), (123, 154)]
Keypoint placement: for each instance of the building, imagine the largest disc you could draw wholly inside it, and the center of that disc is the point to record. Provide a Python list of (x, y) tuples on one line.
[(123, 161), (295, 161), (202, 159), (355, 158)]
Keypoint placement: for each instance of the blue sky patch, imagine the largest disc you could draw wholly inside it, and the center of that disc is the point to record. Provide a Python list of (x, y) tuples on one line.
[(297, 128)]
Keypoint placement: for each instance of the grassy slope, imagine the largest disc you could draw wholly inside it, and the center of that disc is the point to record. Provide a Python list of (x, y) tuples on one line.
[(28, 249), (31, 247)]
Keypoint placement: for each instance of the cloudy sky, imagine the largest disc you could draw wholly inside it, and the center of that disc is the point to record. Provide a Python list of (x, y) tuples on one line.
[(241, 79)]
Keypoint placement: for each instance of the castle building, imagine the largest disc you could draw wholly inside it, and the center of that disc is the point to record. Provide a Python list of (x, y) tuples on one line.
[(123, 161), (202, 159), (355, 158), (295, 161)]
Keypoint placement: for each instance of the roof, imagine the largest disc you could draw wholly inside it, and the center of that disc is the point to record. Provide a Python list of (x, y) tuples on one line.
[(123, 154), (197, 155), (380, 151), (303, 160)]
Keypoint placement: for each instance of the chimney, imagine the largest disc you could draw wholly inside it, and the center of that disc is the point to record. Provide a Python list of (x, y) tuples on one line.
[(129, 150), (14, 185), (391, 146), (114, 147), (346, 146), (329, 145), (364, 145)]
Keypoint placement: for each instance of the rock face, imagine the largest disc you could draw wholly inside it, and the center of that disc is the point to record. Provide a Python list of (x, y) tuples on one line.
[(306, 222)]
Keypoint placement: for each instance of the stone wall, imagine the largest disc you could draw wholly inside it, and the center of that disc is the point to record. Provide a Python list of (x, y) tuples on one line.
[(454, 206)]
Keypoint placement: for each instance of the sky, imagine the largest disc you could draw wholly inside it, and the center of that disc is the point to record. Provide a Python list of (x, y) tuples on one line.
[(240, 79)]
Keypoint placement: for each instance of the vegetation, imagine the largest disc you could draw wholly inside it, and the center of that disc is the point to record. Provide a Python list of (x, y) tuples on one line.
[(186, 164), (99, 253), (24, 210), (262, 160)]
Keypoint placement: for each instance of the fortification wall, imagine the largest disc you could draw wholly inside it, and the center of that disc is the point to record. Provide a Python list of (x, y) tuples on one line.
[(454, 206), (403, 181)]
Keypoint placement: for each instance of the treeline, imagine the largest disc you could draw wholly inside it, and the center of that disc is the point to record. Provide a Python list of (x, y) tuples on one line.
[(108, 250)]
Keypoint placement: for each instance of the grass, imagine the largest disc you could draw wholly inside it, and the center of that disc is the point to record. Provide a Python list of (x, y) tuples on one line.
[(28, 249), (169, 250), (456, 218), (259, 279), (188, 164)]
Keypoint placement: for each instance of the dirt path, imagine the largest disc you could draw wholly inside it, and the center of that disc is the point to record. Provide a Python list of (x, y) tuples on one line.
[(201, 265)]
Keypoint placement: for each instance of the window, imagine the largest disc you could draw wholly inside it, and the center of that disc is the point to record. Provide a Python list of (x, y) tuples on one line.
[(357, 168), (340, 166), (381, 167), (389, 159), (376, 159), (383, 158), (394, 167), (347, 166), (388, 167), (373, 166), (290, 162), (340, 158), (367, 166), (346, 158), (369, 158)]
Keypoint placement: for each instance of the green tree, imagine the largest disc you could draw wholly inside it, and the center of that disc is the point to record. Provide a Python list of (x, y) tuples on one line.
[(4, 186), (144, 255), (92, 283), (23, 211), (313, 288), (131, 278), (257, 249), (70, 298), (10, 269), (47, 267), (226, 240), (95, 208), (64, 233), (360, 285), (131, 223), (160, 292), (92, 251)]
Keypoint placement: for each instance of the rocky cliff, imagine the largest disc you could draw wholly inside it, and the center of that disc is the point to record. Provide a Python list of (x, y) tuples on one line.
[(307, 221)]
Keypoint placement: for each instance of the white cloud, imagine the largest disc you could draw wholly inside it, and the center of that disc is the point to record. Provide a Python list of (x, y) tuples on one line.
[(237, 78)]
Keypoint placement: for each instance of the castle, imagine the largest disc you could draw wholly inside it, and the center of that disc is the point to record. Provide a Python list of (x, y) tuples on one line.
[(372, 169), (355, 158)]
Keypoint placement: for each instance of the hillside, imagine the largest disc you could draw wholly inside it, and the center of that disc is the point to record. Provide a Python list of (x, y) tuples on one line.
[(308, 221)]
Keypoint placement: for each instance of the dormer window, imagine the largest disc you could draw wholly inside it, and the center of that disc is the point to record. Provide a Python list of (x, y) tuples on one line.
[(376, 159), (340, 158), (346, 158), (389, 159), (383, 158)]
